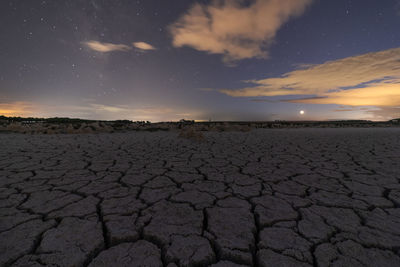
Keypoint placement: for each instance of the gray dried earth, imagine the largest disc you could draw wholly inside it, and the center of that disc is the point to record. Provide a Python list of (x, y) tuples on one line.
[(294, 197)]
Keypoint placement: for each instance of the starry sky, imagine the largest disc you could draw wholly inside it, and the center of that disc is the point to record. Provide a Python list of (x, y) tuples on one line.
[(165, 60)]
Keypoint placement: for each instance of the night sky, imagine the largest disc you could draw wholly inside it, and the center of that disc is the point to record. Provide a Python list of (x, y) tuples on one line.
[(163, 60)]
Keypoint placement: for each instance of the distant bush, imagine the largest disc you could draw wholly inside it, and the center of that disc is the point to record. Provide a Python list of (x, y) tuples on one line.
[(123, 122), (155, 129), (66, 120)]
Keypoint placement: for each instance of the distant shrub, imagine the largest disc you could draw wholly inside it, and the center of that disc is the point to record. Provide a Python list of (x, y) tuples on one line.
[(155, 129)]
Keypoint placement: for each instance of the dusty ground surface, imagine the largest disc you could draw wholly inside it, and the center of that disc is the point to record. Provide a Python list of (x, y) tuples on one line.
[(304, 197)]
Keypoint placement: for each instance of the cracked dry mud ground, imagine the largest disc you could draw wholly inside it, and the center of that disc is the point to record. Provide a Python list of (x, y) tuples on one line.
[(298, 197)]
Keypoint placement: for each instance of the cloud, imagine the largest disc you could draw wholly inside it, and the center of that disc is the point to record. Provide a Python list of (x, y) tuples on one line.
[(109, 47), (107, 108), (376, 94), (385, 113), (344, 110), (143, 46), (264, 100), (233, 29), (111, 112), (88, 109), (106, 47), (18, 108), (371, 79), (369, 70)]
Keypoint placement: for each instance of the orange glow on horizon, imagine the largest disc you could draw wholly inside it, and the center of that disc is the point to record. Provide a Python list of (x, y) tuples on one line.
[(16, 109)]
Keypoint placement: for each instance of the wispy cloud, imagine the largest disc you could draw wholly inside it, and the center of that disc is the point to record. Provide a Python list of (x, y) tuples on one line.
[(372, 113), (332, 78), (264, 100), (385, 113), (138, 113), (108, 108), (143, 46), (233, 29), (110, 47), (89, 109), (106, 47), (18, 108), (371, 79), (376, 94)]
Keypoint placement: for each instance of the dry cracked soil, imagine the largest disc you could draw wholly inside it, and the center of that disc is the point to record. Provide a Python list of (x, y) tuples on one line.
[(294, 197)]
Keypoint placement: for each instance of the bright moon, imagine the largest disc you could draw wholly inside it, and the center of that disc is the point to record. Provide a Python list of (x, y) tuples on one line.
[(302, 112)]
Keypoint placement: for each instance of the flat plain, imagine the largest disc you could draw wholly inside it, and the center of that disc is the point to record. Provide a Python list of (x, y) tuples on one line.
[(292, 197)]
